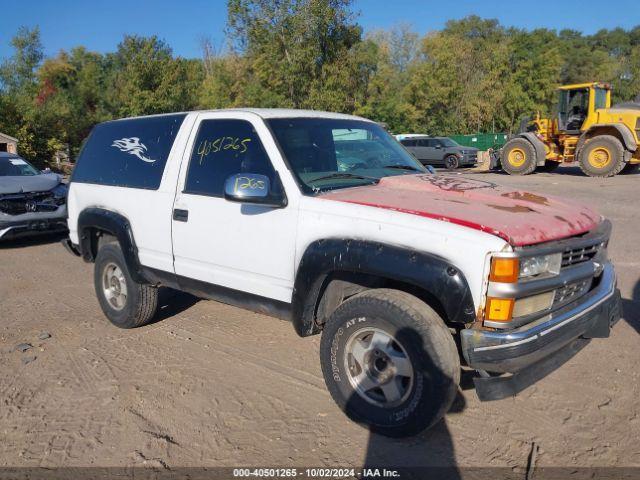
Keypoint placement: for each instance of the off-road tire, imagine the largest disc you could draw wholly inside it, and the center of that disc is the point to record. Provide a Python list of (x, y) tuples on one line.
[(451, 162), (528, 153), (604, 143), (428, 344), (549, 166), (141, 300)]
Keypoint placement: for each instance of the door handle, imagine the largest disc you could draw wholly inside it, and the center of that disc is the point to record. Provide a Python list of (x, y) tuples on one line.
[(180, 215)]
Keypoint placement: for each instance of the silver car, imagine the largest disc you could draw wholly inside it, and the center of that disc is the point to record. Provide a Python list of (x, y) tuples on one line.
[(30, 200)]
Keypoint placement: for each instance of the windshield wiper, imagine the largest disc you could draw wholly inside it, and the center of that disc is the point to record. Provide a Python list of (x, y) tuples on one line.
[(344, 175), (402, 167)]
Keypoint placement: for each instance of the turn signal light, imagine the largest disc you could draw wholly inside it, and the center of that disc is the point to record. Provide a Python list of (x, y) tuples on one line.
[(499, 309), (504, 270)]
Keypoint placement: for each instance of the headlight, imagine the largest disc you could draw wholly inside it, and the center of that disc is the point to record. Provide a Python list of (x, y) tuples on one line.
[(544, 264), (60, 194), (60, 191), (499, 311)]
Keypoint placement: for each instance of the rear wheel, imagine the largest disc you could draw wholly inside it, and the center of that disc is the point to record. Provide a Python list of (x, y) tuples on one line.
[(125, 303), (451, 162), (390, 362), (602, 156), (518, 157)]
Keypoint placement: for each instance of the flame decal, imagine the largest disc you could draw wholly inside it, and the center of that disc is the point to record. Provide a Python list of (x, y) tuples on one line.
[(132, 146)]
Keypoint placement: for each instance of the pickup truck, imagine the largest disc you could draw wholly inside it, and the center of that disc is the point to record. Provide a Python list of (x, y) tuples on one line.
[(327, 221)]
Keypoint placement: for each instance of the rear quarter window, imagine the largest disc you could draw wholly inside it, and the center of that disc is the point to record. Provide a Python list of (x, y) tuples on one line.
[(128, 153)]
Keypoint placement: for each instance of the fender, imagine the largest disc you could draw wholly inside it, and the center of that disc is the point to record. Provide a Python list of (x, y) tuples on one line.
[(430, 273), (628, 139), (538, 145), (118, 226)]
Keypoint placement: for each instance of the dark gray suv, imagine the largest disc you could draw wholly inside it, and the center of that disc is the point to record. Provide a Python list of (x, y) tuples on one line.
[(441, 152)]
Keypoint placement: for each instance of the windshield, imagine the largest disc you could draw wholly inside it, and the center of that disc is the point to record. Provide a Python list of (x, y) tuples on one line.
[(325, 153), (447, 142), (16, 167), (601, 98)]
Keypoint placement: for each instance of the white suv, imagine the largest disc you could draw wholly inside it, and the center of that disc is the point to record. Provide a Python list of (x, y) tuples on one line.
[(326, 220)]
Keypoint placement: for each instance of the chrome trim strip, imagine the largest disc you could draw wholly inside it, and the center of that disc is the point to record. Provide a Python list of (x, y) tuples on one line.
[(3, 232), (546, 325), (568, 275), (512, 344), (544, 332), (586, 310)]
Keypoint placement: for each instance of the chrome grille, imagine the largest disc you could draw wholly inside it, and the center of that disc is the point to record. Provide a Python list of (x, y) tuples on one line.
[(579, 255), (33, 202)]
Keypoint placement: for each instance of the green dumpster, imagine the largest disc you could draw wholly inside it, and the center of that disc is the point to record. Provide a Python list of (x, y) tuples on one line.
[(481, 141)]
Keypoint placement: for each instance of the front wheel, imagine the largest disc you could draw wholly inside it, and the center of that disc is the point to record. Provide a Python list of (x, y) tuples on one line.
[(390, 362), (602, 156), (518, 157), (125, 303), (451, 162)]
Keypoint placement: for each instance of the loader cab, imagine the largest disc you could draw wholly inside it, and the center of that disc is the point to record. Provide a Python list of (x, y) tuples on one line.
[(578, 104)]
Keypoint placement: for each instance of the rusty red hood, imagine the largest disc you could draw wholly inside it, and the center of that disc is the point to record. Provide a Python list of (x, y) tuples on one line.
[(521, 218)]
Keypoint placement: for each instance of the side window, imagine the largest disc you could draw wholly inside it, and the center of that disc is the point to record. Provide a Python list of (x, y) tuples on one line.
[(224, 148), (601, 98), (424, 143), (128, 153)]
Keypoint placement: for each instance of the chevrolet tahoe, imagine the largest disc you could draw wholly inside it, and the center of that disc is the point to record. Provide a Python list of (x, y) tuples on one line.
[(325, 220)]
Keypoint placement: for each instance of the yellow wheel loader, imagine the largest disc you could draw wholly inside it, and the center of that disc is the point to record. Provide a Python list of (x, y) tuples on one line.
[(602, 139)]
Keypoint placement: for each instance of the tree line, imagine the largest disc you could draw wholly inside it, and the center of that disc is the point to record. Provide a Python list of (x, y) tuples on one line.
[(474, 75)]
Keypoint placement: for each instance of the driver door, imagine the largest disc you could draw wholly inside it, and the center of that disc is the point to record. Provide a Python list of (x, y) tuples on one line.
[(245, 247), (433, 153)]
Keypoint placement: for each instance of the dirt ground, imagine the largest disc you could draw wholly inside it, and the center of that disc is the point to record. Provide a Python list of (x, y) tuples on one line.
[(212, 385)]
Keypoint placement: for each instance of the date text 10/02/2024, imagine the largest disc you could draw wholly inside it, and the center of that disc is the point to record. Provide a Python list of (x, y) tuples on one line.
[(362, 473)]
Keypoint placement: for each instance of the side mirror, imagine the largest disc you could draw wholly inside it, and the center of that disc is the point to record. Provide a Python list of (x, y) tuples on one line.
[(252, 188)]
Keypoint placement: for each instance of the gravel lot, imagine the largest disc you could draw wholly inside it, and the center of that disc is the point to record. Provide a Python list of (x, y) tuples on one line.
[(213, 385)]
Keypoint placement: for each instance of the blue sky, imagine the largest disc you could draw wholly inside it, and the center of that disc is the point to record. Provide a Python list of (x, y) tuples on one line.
[(100, 24)]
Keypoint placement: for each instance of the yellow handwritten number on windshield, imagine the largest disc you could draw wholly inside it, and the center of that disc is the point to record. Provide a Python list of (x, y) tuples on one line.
[(205, 147)]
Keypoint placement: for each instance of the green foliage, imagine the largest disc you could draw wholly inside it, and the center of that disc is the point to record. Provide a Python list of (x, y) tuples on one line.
[(18, 73), (299, 53), (52, 105), (473, 75), (144, 78)]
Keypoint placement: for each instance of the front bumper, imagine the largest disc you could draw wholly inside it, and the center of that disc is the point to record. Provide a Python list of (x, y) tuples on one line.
[(469, 160), (536, 349), (13, 226)]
